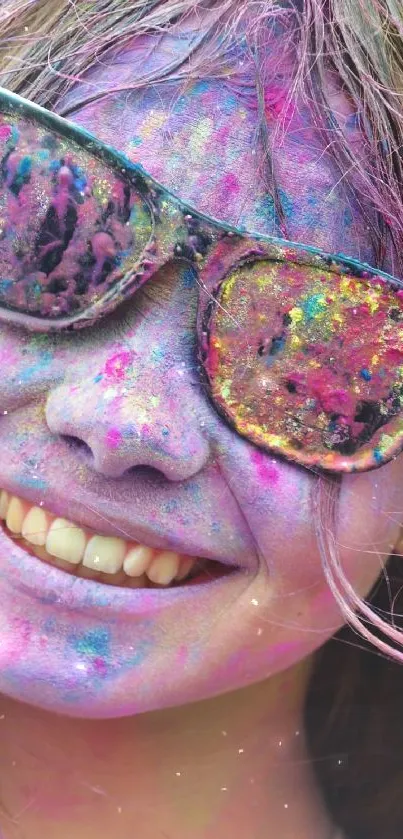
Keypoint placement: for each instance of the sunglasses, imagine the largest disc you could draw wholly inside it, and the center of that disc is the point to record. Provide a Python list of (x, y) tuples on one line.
[(301, 351)]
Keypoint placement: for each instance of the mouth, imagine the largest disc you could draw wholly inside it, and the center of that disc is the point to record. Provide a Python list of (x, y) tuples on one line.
[(109, 560)]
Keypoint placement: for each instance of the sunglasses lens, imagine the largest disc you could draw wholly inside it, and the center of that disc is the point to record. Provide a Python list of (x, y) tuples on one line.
[(71, 226), (308, 363)]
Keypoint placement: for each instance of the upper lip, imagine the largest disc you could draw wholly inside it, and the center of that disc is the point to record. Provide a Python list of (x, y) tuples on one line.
[(98, 523)]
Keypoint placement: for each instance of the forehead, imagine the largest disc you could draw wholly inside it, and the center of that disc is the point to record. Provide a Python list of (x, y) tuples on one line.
[(201, 139)]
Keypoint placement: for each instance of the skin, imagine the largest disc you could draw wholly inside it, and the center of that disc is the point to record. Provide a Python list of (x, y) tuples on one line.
[(237, 659)]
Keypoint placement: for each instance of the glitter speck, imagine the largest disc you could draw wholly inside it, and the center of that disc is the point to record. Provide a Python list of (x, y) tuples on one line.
[(254, 602)]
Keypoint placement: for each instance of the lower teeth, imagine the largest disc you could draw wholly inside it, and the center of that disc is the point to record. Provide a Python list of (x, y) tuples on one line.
[(202, 570)]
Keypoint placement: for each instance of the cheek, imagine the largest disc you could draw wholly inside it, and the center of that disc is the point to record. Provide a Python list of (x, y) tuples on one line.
[(29, 365), (369, 521), (277, 500)]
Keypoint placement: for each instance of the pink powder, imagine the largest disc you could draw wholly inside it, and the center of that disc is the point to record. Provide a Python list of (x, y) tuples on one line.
[(182, 655), (113, 438), (115, 367), (230, 183), (5, 132), (267, 473)]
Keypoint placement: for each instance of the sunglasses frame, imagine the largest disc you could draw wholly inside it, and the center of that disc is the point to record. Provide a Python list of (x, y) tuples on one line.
[(212, 248), (178, 231)]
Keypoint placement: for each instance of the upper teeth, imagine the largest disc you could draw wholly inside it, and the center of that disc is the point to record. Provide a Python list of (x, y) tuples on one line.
[(107, 554)]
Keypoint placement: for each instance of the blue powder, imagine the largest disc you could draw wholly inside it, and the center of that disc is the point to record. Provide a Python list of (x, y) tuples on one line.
[(201, 87), (15, 135), (286, 203), (157, 354), (353, 121), (171, 506), (24, 167), (265, 207), (313, 306), (43, 360), (34, 482), (95, 643), (378, 455), (189, 277), (277, 345), (5, 285), (347, 217)]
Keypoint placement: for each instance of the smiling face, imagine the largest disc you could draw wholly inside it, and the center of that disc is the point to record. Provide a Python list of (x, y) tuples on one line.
[(110, 428)]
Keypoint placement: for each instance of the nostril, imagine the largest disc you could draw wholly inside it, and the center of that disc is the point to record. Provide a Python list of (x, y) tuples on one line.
[(76, 444), (147, 473)]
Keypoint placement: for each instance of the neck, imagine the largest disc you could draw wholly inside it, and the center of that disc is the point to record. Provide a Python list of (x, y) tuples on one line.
[(233, 766)]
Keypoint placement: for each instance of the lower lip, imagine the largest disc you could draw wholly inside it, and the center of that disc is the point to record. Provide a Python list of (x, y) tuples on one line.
[(50, 585)]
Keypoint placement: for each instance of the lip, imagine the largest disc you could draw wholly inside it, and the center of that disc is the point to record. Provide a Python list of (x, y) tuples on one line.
[(97, 522), (53, 587)]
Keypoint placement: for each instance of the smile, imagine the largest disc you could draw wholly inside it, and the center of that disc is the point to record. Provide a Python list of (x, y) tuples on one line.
[(105, 559)]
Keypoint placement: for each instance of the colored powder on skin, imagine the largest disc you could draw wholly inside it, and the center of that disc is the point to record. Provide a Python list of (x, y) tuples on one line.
[(157, 354), (94, 648), (199, 138), (181, 657), (266, 210), (100, 667), (94, 643), (113, 438), (116, 367), (230, 183), (267, 473)]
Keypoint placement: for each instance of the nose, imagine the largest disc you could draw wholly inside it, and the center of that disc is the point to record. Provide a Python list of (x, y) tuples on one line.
[(132, 415), (129, 395)]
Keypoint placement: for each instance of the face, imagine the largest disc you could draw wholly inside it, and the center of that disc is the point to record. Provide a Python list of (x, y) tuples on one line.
[(110, 429)]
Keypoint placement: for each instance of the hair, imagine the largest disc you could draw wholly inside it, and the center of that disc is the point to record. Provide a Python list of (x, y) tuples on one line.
[(46, 47)]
